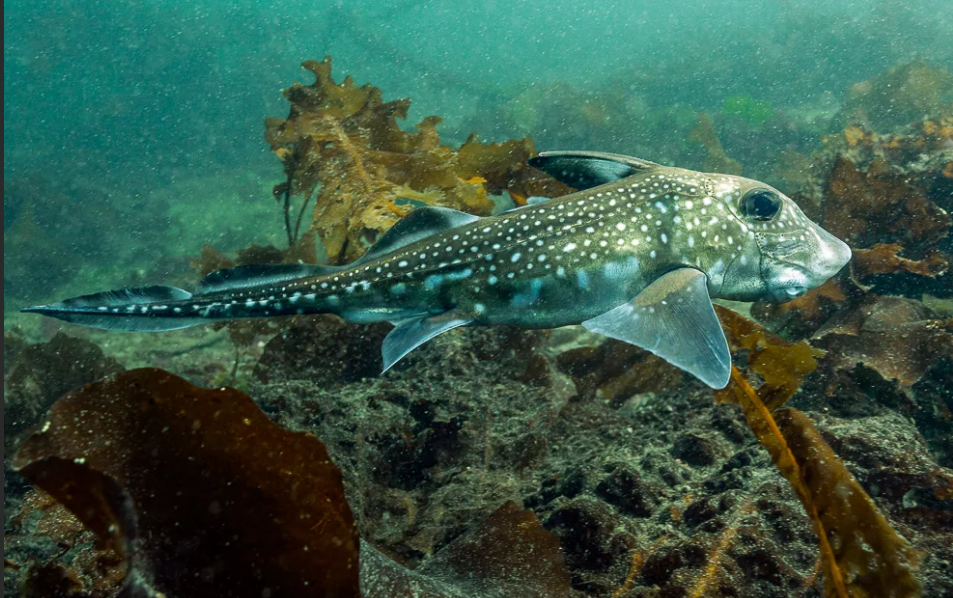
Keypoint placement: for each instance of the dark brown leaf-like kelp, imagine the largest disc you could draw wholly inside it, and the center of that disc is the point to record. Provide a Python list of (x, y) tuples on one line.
[(899, 339), (342, 143), (198, 488), (891, 188), (884, 258), (38, 374), (876, 206), (889, 195)]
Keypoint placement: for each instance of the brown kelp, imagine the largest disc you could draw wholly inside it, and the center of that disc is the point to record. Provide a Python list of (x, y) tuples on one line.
[(782, 365), (885, 194), (37, 374), (343, 143), (861, 554), (177, 479), (898, 338), (890, 188), (871, 206), (889, 195)]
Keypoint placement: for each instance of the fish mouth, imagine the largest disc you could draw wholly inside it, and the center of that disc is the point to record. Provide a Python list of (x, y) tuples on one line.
[(788, 281), (784, 275), (789, 293)]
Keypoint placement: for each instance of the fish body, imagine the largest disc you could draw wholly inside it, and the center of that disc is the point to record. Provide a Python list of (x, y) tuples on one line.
[(636, 254)]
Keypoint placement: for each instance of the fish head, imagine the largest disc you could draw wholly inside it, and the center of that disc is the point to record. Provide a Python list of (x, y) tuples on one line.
[(778, 252)]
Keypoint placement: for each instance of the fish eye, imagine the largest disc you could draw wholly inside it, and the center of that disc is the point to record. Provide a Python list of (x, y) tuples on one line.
[(760, 204)]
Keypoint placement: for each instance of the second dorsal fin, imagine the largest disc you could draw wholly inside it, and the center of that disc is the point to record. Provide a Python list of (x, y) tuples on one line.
[(243, 277), (584, 170), (419, 224)]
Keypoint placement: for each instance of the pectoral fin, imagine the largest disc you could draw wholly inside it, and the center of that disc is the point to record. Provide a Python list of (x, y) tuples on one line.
[(674, 319), (407, 335)]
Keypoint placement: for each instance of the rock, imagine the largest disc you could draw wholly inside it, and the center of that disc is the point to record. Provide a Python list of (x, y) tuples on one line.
[(624, 488), (696, 450), (587, 531)]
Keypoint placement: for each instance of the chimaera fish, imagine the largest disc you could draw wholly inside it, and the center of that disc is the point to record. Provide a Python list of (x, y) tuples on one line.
[(636, 254)]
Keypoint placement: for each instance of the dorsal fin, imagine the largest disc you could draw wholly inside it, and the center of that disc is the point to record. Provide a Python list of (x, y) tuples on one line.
[(243, 277), (584, 170), (419, 224)]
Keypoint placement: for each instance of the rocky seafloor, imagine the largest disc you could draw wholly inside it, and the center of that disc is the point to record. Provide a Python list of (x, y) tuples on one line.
[(659, 493), (663, 474)]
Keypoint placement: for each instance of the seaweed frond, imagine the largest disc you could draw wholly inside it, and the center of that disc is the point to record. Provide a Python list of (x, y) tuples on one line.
[(636, 565), (151, 464), (861, 553), (781, 363), (342, 144), (884, 258), (881, 205), (713, 570)]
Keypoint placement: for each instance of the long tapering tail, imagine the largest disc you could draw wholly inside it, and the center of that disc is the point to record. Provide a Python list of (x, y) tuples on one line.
[(141, 309), (157, 308)]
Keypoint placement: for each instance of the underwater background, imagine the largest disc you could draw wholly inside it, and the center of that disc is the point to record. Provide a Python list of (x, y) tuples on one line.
[(494, 462)]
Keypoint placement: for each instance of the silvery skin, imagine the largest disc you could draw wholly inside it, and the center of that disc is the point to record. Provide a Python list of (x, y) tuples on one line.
[(637, 254)]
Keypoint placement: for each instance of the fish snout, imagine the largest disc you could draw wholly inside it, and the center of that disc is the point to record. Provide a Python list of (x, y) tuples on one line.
[(793, 268), (831, 255)]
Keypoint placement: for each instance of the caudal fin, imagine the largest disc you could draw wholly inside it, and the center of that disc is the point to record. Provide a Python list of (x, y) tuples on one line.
[(147, 309)]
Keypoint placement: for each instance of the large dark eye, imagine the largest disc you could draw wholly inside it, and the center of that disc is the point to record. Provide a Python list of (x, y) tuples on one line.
[(760, 204)]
